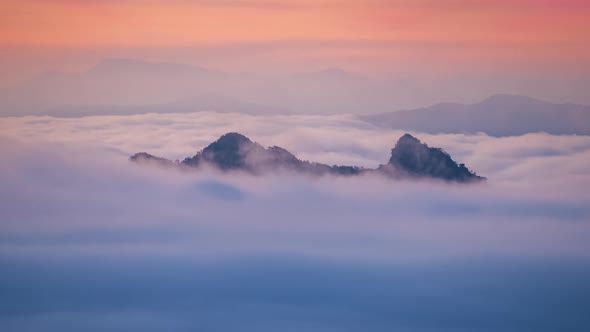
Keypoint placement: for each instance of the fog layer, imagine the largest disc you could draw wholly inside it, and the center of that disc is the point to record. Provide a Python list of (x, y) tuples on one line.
[(90, 241)]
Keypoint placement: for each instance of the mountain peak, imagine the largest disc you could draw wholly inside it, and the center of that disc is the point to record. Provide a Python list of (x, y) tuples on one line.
[(499, 115), (232, 138), (230, 151), (408, 139), (502, 99), (117, 64), (412, 157), (330, 73), (120, 62), (234, 151), (123, 65)]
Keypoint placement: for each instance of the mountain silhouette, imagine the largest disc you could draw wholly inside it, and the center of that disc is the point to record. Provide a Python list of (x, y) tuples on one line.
[(234, 151), (499, 115), (133, 86), (410, 159)]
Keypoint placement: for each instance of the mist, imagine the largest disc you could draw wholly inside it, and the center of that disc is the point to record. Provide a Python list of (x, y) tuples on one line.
[(294, 165), (92, 241), (124, 86)]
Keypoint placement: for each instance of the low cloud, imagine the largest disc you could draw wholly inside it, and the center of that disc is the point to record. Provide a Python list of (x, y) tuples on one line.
[(91, 241), (336, 139)]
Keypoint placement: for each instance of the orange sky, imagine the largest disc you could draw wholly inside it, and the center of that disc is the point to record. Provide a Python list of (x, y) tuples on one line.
[(182, 22), (479, 34)]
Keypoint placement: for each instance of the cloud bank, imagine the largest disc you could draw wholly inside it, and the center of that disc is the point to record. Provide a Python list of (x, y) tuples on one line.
[(90, 241)]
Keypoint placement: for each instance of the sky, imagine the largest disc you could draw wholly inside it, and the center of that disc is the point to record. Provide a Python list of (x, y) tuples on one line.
[(537, 39), (90, 241)]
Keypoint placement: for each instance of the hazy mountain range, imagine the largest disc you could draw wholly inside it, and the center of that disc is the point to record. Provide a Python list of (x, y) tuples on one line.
[(499, 115), (125, 86), (410, 159)]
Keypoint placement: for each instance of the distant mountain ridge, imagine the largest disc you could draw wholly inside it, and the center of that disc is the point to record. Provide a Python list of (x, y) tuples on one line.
[(498, 115), (122, 66), (410, 159), (133, 86)]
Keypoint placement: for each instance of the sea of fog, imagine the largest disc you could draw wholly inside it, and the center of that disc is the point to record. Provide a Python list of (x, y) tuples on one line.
[(92, 242)]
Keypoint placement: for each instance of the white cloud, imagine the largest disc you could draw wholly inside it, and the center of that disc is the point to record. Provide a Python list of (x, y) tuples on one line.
[(68, 193), (337, 139), (536, 179)]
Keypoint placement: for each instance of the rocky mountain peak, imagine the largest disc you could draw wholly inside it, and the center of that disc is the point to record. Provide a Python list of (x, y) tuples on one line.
[(412, 157)]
